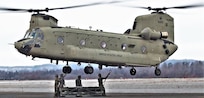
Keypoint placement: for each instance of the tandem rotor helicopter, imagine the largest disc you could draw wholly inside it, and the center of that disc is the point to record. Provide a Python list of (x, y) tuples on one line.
[(148, 43)]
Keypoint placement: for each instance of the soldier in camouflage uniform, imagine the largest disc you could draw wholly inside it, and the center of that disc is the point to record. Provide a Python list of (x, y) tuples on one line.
[(78, 86), (61, 82), (100, 82), (56, 85)]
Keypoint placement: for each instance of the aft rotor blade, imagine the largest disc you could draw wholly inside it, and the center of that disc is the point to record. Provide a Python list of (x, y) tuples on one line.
[(186, 6), (165, 8)]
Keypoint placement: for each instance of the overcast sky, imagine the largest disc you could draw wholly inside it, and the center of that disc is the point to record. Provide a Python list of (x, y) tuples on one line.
[(189, 24)]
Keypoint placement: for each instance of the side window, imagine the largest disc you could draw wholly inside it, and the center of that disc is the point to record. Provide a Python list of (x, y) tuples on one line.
[(37, 44), (144, 49), (60, 39), (82, 42), (103, 44), (124, 47), (40, 36)]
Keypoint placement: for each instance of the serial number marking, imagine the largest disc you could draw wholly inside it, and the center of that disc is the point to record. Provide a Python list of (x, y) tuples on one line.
[(112, 55)]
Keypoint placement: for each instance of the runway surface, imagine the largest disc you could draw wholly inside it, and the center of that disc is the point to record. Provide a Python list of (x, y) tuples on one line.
[(109, 95), (115, 88)]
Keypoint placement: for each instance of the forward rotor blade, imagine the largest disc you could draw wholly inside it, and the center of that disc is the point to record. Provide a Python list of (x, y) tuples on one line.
[(12, 9), (21, 10), (84, 5), (48, 9), (141, 7)]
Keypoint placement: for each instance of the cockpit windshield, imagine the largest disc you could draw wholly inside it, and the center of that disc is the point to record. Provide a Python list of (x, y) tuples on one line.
[(37, 37), (35, 33), (30, 34)]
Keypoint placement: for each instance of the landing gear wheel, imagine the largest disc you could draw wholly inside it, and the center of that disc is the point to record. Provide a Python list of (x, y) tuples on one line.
[(88, 70), (157, 72), (132, 71), (66, 69)]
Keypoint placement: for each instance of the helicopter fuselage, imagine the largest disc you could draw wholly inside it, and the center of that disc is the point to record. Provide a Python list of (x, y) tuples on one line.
[(105, 48), (148, 43)]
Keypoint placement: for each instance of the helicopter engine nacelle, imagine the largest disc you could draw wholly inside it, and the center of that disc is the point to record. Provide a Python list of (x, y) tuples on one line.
[(150, 34)]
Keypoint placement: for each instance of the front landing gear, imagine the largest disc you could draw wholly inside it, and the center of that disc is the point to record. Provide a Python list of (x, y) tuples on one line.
[(132, 71), (157, 71), (67, 69)]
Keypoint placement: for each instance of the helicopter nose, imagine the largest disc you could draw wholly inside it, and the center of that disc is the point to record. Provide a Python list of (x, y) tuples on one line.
[(24, 49), (18, 45)]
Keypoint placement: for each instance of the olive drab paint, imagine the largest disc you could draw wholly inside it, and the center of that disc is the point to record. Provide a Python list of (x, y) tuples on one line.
[(148, 43)]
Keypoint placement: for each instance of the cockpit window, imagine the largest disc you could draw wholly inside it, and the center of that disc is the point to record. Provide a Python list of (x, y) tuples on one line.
[(39, 35), (35, 33), (30, 34)]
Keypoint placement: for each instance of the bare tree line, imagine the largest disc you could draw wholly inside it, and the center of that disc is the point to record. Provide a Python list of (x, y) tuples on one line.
[(169, 70)]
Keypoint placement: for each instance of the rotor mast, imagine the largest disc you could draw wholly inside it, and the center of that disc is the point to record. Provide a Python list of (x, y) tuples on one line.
[(42, 20)]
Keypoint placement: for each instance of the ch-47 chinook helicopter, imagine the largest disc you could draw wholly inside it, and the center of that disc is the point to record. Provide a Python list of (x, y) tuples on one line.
[(148, 43)]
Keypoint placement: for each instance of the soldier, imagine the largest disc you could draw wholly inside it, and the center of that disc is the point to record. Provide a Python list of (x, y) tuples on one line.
[(100, 82), (56, 86), (78, 81), (61, 80), (61, 83), (78, 86)]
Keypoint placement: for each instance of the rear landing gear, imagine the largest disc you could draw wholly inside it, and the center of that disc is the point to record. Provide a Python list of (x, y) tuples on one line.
[(157, 72), (88, 69), (132, 71), (67, 69)]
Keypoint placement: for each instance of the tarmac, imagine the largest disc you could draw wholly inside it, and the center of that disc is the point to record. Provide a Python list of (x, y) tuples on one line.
[(115, 88), (109, 95)]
